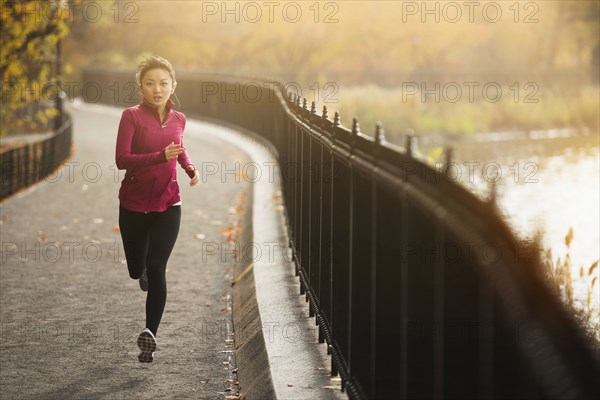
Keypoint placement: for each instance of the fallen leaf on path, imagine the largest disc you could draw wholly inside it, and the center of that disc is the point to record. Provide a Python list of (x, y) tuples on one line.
[(227, 230)]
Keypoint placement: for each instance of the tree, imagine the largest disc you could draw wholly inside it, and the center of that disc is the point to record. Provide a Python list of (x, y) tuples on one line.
[(29, 35)]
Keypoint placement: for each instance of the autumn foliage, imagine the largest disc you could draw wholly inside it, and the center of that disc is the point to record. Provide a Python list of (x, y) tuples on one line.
[(29, 34)]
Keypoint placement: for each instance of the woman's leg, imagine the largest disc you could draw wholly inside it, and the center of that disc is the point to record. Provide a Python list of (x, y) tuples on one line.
[(135, 232), (163, 234)]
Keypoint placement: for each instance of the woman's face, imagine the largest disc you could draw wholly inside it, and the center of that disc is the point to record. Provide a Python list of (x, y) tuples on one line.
[(157, 86)]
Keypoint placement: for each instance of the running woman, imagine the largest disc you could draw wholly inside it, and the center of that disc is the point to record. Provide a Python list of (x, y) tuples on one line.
[(149, 145)]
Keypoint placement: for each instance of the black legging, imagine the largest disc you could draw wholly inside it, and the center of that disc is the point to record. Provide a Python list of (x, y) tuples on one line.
[(148, 240)]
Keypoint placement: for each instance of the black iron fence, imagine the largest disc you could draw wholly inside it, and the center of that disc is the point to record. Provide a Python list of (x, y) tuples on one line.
[(24, 165), (418, 287)]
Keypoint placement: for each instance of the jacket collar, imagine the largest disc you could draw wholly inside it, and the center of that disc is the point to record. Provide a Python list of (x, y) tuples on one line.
[(152, 107)]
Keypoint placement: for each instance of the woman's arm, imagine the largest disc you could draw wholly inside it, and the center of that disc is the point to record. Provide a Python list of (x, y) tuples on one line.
[(123, 156), (185, 161), (184, 158)]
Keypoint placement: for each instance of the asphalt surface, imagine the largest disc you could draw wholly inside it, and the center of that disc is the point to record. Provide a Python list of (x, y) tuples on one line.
[(70, 314)]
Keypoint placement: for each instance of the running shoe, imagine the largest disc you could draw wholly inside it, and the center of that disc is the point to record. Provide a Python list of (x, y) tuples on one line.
[(147, 344)]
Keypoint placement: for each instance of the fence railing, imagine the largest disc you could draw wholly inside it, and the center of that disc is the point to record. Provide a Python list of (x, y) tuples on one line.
[(418, 287), (26, 164)]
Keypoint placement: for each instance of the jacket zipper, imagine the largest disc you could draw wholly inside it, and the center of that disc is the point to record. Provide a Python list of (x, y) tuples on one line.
[(162, 128), (151, 195), (163, 124)]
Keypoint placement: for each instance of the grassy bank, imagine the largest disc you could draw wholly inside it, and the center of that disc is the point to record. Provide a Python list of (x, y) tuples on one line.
[(443, 111), (560, 278)]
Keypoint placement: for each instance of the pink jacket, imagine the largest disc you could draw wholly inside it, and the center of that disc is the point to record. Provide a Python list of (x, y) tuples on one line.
[(150, 182)]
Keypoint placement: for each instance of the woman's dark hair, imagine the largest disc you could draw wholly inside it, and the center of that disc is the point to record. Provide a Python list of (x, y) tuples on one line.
[(152, 63)]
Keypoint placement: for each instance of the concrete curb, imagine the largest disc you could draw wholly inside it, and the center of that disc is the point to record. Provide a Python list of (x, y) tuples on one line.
[(251, 358), (278, 353), (254, 373)]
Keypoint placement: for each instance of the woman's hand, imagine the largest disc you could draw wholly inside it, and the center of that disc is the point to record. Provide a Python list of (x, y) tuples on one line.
[(172, 151), (195, 179)]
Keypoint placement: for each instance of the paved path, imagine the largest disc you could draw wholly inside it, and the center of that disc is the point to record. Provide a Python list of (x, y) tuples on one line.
[(69, 313)]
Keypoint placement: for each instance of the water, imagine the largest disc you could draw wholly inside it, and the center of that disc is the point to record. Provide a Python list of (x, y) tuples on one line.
[(567, 195), (550, 184)]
